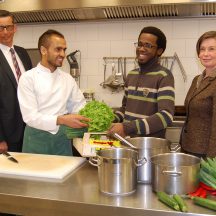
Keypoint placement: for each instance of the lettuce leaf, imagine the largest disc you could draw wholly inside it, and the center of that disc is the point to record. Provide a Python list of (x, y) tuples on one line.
[(101, 116)]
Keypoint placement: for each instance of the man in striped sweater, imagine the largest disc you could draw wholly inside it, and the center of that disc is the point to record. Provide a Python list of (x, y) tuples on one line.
[(148, 103)]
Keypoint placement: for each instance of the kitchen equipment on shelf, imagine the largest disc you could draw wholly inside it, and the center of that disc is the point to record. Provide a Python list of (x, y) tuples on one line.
[(89, 95), (74, 65), (148, 147), (115, 81), (118, 77), (175, 173), (117, 170)]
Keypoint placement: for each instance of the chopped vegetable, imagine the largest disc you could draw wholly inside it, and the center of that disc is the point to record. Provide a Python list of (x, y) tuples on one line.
[(115, 143)]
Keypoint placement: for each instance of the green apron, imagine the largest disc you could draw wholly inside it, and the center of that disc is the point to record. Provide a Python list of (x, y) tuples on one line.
[(42, 142)]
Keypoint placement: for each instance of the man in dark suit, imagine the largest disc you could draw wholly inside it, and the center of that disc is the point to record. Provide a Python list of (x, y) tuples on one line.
[(11, 122)]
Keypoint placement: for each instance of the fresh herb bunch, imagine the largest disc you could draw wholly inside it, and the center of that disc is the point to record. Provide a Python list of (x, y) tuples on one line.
[(101, 116)]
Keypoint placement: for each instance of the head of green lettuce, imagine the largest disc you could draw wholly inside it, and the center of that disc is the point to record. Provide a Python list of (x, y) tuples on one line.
[(101, 117)]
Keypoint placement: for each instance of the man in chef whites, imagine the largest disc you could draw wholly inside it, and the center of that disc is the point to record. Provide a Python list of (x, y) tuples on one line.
[(148, 103), (49, 99)]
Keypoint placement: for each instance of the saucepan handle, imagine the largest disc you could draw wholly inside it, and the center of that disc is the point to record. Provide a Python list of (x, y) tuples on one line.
[(93, 161), (174, 148), (171, 173), (140, 162)]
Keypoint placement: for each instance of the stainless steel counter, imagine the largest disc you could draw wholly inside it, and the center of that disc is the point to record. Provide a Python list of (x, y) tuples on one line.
[(79, 195)]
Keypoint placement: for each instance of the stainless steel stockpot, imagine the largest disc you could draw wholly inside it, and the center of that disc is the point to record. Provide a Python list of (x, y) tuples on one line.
[(148, 147), (117, 170), (175, 173)]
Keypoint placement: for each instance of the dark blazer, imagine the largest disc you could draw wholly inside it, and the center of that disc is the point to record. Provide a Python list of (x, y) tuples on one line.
[(11, 122), (199, 133)]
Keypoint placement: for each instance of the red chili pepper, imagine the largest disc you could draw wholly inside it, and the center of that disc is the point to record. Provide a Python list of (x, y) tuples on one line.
[(103, 142), (203, 193), (206, 186), (213, 193), (197, 192)]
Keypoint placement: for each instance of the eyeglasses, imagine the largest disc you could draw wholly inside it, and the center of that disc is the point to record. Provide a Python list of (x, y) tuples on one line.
[(7, 27), (139, 45)]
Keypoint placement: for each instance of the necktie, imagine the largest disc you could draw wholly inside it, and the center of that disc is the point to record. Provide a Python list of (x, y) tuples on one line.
[(17, 69)]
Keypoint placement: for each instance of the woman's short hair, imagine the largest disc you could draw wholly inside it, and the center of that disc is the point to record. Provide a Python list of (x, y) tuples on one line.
[(206, 35)]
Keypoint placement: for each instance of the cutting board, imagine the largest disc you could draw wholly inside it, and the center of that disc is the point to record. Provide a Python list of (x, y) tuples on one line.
[(39, 167)]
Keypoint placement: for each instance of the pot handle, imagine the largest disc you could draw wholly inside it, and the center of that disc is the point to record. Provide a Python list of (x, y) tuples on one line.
[(175, 148), (93, 161), (140, 162), (172, 173)]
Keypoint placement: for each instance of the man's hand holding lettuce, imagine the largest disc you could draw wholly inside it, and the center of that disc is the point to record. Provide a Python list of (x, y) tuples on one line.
[(101, 117)]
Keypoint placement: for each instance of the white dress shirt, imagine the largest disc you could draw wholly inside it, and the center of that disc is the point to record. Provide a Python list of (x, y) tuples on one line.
[(7, 54), (43, 96)]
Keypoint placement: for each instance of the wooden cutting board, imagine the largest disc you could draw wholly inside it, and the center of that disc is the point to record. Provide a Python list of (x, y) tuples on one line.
[(39, 167)]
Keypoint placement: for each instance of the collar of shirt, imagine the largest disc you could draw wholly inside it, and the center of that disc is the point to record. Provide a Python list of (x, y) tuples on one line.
[(5, 48), (211, 76), (6, 52), (47, 70), (149, 66)]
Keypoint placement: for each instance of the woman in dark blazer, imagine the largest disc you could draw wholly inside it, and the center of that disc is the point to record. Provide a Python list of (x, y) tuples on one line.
[(11, 122), (199, 132)]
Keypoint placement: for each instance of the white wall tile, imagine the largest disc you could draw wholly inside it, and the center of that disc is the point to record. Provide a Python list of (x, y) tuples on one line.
[(110, 31), (68, 30), (86, 31), (83, 82), (94, 82), (175, 46), (81, 46), (123, 48), (98, 49), (206, 25), (191, 66), (24, 33), (38, 30), (190, 47), (166, 26), (132, 29), (185, 29), (90, 67)]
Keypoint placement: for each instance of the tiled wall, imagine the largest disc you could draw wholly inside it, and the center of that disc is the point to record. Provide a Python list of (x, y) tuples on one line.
[(96, 40)]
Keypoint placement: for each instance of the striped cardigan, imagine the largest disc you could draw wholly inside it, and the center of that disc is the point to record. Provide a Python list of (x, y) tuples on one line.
[(148, 103)]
